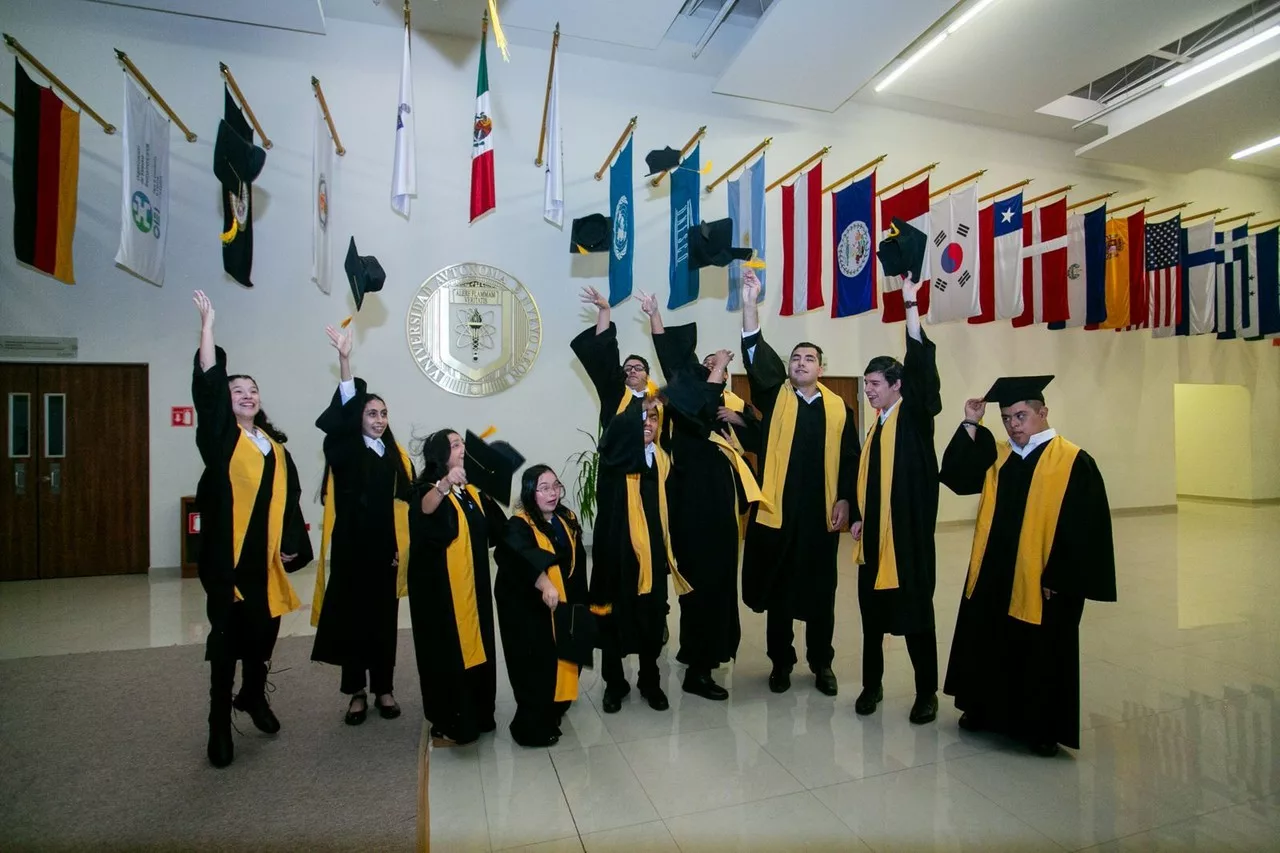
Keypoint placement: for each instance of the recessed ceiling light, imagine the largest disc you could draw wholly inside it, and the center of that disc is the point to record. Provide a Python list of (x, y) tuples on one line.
[(1254, 149)]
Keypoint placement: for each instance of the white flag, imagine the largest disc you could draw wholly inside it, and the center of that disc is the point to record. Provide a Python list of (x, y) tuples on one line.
[(953, 257), (1077, 271), (1200, 268), (144, 226), (404, 176), (553, 196), (321, 196)]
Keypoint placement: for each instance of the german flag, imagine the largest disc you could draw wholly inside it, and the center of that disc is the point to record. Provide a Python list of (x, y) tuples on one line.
[(46, 171)]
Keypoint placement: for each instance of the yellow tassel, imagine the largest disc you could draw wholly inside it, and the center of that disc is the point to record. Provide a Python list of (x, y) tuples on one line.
[(581, 250), (499, 37), (488, 432), (754, 263), (893, 231), (347, 322), (230, 235), (705, 169)]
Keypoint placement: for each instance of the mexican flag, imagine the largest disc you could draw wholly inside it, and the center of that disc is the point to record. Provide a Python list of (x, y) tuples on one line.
[(483, 196)]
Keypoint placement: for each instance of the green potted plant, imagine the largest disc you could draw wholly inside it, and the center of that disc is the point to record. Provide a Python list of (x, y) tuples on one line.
[(587, 465)]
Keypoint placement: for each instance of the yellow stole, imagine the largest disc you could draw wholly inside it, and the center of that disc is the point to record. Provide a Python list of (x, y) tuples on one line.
[(639, 526), (649, 391), (782, 432), (733, 450), (245, 472), (887, 569), (326, 533), (566, 671), (1039, 523), (462, 585)]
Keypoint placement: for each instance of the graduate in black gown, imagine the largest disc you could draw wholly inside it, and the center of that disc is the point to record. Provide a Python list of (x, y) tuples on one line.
[(542, 566), (452, 525), (619, 383), (711, 489), (366, 532), (895, 515), (631, 553), (1041, 547), (251, 533), (808, 463)]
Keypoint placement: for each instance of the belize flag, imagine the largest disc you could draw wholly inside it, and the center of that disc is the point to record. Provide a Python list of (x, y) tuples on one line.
[(853, 212)]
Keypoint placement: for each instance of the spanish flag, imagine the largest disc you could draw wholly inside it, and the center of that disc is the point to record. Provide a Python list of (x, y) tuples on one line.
[(46, 171)]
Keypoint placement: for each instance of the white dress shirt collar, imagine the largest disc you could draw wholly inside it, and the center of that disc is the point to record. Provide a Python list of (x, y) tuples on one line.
[(263, 443), (1035, 441), (884, 415)]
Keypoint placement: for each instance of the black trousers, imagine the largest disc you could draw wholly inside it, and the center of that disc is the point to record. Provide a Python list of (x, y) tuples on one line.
[(818, 631), (923, 649), (252, 638), (380, 678), (611, 654)]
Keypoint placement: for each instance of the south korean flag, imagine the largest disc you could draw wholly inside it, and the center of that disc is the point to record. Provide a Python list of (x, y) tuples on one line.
[(953, 257)]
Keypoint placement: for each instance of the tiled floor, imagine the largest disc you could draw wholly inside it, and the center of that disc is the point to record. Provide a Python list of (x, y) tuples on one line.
[(1179, 707)]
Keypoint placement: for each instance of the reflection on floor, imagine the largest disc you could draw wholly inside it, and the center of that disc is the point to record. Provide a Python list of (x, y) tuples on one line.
[(1179, 706)]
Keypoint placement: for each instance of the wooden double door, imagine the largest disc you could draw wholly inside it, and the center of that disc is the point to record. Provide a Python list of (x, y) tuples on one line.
[(75, 484), (847, 388)]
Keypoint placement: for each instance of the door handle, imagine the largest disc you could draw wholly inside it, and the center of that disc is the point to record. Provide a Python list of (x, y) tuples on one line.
[(20, 478), (54, 479)]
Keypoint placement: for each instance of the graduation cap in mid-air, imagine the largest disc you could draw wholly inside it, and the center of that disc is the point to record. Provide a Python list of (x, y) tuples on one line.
[(236, 160), (902, 252), (662, 160), (686, 393), (364, 273), (709, 245), (1011, 390), (591, 233), (491, 465)]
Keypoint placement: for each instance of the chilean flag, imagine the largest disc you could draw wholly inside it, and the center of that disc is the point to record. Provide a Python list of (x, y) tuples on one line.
[(1000, 260), (911, 206), (1044, 266), (483, 195), (802, 243)]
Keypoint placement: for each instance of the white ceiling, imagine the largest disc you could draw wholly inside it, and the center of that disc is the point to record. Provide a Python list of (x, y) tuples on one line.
[(304, 15)]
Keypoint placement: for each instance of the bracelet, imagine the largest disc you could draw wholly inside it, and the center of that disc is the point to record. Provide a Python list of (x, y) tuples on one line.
[(968, 423), (443, 491), (908, 304)]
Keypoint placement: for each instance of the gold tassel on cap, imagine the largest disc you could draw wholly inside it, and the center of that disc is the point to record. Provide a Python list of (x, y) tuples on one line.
[(231, 233), (499, 37), (488, 432), (754, 263), (347, 322)]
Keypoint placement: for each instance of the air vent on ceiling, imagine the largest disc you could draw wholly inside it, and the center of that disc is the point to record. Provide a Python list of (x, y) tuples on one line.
[(19, 346)]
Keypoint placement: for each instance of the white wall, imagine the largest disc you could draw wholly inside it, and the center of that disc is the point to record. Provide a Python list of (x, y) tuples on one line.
[(1214, 450), (1114, 394)]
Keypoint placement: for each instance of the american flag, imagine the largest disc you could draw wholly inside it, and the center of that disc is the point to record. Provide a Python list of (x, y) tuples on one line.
[(1164, 277)]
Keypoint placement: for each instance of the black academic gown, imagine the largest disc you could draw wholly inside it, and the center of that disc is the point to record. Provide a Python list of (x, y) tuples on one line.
[(795, 566), (359, 617), (615, 571), (246, 631), (602, 360), (528, 639), (914, 504), (1017, 677), (458, 702), (704, 496)]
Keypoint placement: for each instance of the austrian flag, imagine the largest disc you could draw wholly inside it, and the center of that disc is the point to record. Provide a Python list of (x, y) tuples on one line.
[(483, 195)]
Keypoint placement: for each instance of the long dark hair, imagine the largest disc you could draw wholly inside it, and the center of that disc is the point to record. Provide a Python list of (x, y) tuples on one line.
[(260, 420), (390, 445), (529, 502), (435, 453)]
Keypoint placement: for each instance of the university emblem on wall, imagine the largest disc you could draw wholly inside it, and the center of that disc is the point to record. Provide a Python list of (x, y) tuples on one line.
[(473, 329)]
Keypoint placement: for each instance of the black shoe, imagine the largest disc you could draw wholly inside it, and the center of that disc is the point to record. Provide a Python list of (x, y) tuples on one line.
[(970, 723), (656, 698), (780, 680), (1044, 749), (925, 709), (536, 741), (259, 711), (613, 697), (388, 712), (221, 748), (825, 681), (704, 686), (356, 716), (867, 700)]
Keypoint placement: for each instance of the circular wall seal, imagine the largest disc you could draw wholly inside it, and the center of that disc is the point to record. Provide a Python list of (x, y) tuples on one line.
[(473, 329)]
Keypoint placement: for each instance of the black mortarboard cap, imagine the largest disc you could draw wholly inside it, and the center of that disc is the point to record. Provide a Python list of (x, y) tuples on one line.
[(1011, 390), (709, 245), (902, 252), (686, 393), (364, 273), (592, 233), (575, 633), (662, 160), (236, 160), (491, 465)]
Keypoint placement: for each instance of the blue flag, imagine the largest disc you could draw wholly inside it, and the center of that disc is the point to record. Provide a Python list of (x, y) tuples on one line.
[(1095, 269), (1233, 277), (853, 219), (746, 209), (622, 248), (1265, 257), (685, 184)]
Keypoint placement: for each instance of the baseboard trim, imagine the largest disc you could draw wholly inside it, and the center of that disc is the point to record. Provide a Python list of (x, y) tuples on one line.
[(1208, 499)]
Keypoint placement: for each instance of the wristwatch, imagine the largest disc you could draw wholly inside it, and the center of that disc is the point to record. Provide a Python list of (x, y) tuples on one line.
[(908, 304)]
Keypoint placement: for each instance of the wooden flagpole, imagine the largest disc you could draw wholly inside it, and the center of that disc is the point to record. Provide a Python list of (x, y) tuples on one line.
[(1248, 215), (1003, 190), (738, 165), (617, 146), (1266, 224), (917, 173), (818, 156), (1170, 209), (1135, 203), (6, 108), (1049, 194), (53, 79), (858, 171), (966, 179), (324, 108), (1089, 201), (248, 110), (546, 100), (688, 146), (155, 96), (1202, 215)]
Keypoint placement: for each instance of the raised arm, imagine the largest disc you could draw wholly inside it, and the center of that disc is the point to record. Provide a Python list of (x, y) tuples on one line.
[(604, 314), (766, 372), (214, 418), (970, 454), (208, 348), (342, 418), (921, 385)]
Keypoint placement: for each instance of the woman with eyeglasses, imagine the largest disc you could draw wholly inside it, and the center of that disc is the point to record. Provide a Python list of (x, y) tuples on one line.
[(541, 566)]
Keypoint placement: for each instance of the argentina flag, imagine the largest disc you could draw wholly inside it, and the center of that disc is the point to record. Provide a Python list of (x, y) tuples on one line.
[(746, 209)]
